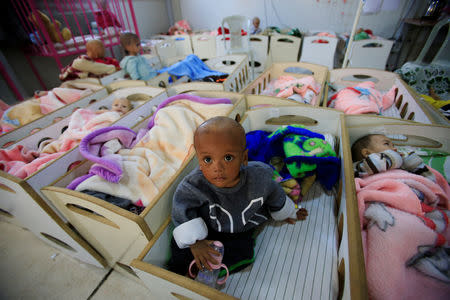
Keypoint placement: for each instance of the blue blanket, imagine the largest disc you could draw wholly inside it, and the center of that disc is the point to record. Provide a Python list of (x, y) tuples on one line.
[(191, 66)]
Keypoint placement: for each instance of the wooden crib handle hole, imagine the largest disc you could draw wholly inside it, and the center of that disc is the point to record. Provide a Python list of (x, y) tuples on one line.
[(90, 214), (372, 45), (57, 241), (139, 97), (7, 188), (285, 40), (6, 214), (341, 278), (228, 62), (298, 70), (256, 64), (291, 119), (180, 297), (360, 77), (417, 141)]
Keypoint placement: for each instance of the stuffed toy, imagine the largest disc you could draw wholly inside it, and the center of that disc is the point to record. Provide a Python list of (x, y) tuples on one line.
[(52, 28)]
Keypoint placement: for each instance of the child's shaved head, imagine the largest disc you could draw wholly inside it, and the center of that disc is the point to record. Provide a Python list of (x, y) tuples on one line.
[(220, 148), (222, 126)]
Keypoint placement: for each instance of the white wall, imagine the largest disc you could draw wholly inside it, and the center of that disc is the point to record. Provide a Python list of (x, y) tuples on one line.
[(334, 15), (151, 16)]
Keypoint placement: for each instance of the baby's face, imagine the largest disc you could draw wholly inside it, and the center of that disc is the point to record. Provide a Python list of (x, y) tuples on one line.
[(95, 51), (256, 23), (380, 143), (133, 48), (220, 158), (121, 106)]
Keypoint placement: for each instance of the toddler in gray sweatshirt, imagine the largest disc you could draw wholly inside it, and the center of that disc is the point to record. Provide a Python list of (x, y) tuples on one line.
[(224, 199)]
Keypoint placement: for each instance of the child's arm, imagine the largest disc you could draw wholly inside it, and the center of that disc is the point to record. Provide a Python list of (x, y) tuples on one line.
[(190, 229), (414, 164), (377, 163)]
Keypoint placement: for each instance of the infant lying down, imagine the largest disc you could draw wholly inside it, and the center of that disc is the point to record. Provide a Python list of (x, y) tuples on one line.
[(303, 90), (42, 103), (22, 162), (404, 208)]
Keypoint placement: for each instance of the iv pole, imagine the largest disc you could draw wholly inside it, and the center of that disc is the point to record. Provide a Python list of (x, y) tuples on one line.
[(352, 35)]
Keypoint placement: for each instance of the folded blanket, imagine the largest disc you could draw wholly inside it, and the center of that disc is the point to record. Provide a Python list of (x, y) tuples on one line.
[(138, 171), (22, 162), (302, 152), (288, 86), (363, 98), (83, 67), (405, 241), (191, 66)]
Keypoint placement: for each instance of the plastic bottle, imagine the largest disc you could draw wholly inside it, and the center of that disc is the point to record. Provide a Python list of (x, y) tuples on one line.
[(211, 277)]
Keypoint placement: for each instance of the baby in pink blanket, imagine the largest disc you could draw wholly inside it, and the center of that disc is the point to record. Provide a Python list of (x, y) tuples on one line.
[(403, 209)]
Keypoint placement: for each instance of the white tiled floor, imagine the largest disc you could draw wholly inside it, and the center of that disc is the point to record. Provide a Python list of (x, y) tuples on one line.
[(31, 269)]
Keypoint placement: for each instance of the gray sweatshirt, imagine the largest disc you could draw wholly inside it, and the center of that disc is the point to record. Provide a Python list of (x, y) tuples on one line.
[(197, 204)]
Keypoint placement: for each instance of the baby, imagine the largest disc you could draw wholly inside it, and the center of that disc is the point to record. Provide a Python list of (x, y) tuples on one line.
[(92, 64), (225, 199), (133, 63), (375, 153), (120, 105), (255, 26)]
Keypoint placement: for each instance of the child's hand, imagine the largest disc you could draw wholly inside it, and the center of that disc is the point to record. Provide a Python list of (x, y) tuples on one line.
[(202, 251), (301, 215)]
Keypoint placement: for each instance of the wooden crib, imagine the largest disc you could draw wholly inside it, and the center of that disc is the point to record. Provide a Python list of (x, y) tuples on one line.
[(44, 121), (284, 48), (296, 69), (204, 46), (402, 133), (313, 259), (406, 106), (259, 45), (23, 203), (319, 50), (370, 53), (103, 224)]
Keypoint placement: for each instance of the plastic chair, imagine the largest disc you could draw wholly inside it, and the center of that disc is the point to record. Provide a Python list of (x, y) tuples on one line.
[(442, 57), (238, 43)]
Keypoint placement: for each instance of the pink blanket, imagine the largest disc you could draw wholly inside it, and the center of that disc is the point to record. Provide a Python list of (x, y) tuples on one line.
[(405, 241), (363, 98), (287, 86), (82, 122), (22, 162), (58, 97)]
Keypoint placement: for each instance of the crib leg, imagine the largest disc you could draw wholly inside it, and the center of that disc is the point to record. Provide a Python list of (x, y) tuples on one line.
[(35, 71)]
